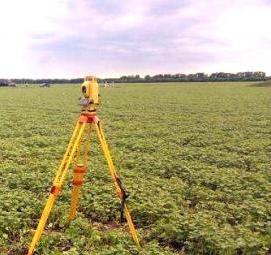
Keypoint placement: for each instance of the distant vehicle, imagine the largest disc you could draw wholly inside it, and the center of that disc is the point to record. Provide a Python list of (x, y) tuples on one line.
[(7, 83), (12, 84), (45, 85), (107, 84)]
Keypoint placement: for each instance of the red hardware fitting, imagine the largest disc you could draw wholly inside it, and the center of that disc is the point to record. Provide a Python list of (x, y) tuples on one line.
[(88, 118), (77, 183), (55, 190), (80, 169), (83, 119), (120, 195)]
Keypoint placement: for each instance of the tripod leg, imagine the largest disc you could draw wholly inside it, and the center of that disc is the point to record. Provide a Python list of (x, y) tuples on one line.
[(68, 150), (78, 179), (116, 181), (58, 182)]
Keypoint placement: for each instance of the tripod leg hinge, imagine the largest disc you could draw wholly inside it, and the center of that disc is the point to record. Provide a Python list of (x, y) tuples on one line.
[(55, 190), (88, 118), (83, 119), (80, 169), (77, 183)]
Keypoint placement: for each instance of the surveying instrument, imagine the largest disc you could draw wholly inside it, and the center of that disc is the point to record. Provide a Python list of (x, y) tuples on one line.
[(77, 151)]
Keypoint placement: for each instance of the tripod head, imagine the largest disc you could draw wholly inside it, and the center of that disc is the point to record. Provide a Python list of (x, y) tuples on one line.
[(90, 91)]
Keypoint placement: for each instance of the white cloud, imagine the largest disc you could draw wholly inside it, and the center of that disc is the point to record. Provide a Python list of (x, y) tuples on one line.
[(20, 21), (56, 38), (239, 31)]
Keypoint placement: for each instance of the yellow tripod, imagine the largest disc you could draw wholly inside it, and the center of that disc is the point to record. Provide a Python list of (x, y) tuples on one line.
[(74, 151)]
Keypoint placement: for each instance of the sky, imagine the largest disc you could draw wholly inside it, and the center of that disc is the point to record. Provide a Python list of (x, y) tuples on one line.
[(110, 38)]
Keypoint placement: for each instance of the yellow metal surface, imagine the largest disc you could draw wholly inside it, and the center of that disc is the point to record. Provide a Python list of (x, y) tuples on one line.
[(90, 89), (58, 182), (45, 214), (114, 174), (78, 177), (69, 159), (68, 150), (74, 201), (87, 146), (131, 225)]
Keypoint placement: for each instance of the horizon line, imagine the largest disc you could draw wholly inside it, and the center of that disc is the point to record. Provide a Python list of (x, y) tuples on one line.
[(141, 75)]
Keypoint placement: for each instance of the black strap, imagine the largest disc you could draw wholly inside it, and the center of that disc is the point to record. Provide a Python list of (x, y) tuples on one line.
[(123, 198)]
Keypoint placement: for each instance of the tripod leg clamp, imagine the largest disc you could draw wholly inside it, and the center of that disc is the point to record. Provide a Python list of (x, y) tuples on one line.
[(55, 190), (123, 196), (77, 183), (79, 173)]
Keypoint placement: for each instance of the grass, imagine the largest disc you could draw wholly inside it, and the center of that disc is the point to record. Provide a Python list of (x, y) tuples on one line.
[(263, 84), (195, 158)]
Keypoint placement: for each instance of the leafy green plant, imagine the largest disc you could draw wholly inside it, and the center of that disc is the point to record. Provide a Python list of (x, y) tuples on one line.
[(195, 159)]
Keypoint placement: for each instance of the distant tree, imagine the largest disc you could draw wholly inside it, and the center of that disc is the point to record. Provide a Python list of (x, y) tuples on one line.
[(178, 77)]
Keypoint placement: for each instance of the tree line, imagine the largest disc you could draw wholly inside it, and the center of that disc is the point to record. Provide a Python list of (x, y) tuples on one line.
[(179, 77), (197, 77)]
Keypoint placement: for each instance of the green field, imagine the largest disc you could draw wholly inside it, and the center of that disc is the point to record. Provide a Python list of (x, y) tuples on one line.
[(195, 158)]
